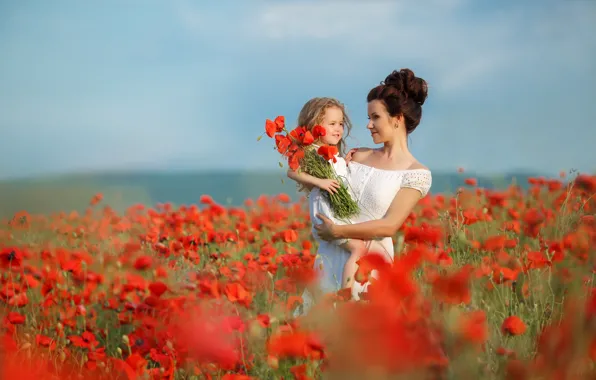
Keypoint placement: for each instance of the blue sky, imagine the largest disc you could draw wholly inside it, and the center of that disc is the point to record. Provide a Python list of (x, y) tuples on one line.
[(179, 85)]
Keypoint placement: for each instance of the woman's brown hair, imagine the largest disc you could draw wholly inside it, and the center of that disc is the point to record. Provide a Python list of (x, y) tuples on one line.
[(403, 93)]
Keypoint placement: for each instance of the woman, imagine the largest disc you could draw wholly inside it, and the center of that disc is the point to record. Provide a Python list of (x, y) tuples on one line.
[(387, 182)]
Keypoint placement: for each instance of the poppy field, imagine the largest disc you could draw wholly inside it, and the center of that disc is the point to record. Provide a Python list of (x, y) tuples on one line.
[(485, 284)]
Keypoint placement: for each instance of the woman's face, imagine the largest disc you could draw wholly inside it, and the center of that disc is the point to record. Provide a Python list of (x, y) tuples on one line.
[(381, 125)]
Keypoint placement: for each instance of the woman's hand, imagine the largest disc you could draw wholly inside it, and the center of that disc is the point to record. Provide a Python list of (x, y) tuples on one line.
[(330, 185), (325, 230)]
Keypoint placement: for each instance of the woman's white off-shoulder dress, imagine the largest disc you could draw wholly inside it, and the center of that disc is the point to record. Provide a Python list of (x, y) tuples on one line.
[(374, 189)]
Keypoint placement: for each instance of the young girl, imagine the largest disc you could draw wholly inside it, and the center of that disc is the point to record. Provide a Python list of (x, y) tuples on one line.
[(330, 114)]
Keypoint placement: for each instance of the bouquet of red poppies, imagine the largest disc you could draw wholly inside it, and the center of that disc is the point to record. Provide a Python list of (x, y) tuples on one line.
[(297, 147)]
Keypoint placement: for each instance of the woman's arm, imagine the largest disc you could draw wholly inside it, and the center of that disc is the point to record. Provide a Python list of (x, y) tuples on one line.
[(399, 210), (415, 186)]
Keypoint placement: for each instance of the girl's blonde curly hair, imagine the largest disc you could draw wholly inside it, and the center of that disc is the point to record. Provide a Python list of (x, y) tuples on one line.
[(313, 113)]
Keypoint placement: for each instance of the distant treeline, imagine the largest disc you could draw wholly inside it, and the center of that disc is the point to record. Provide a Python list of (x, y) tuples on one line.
[(121, 190)]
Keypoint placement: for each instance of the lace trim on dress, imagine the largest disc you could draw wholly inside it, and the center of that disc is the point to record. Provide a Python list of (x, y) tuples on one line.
[(420, 180)]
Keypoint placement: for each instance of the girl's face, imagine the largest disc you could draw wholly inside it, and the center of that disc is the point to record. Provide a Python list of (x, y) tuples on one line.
[(333, 122)]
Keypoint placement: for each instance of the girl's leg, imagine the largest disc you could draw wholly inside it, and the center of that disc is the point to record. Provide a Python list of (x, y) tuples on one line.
[(357, 249)]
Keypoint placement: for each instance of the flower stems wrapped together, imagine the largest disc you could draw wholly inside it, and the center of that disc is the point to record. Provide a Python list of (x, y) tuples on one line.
[(297, 146), (314, 163)]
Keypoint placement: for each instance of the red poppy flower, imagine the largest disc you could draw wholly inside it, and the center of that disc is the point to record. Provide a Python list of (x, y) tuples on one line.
[(513, 325), (318, 131), (294, 159), (328, 152), (274, 126), (302, 136), (282, 142)]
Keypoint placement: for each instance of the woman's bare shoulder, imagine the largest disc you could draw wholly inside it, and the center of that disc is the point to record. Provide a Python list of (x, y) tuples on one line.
[(361, 154), (418, 166)]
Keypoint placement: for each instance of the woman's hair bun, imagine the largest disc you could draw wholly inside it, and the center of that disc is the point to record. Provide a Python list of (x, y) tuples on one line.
[(409, 84)]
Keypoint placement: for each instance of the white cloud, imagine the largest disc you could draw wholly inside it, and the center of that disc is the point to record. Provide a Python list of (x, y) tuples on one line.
[(387, 31), (326, 20), (461, 49), (132, 94)]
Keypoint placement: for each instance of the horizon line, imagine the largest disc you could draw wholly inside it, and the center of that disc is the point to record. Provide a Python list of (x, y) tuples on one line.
[(157, 171)]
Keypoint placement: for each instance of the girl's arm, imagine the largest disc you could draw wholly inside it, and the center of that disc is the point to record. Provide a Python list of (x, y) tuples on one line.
[(399, 210), (310, 181), (307, 180)]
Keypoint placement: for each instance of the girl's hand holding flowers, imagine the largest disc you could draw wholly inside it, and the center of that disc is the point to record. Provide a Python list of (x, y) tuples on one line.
[(329, 185)]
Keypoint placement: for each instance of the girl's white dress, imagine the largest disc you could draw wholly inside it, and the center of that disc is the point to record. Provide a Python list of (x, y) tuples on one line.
[(374, 190)]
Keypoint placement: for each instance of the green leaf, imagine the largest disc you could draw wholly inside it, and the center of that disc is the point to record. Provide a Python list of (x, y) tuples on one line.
[(259, 138), (281, 165)]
